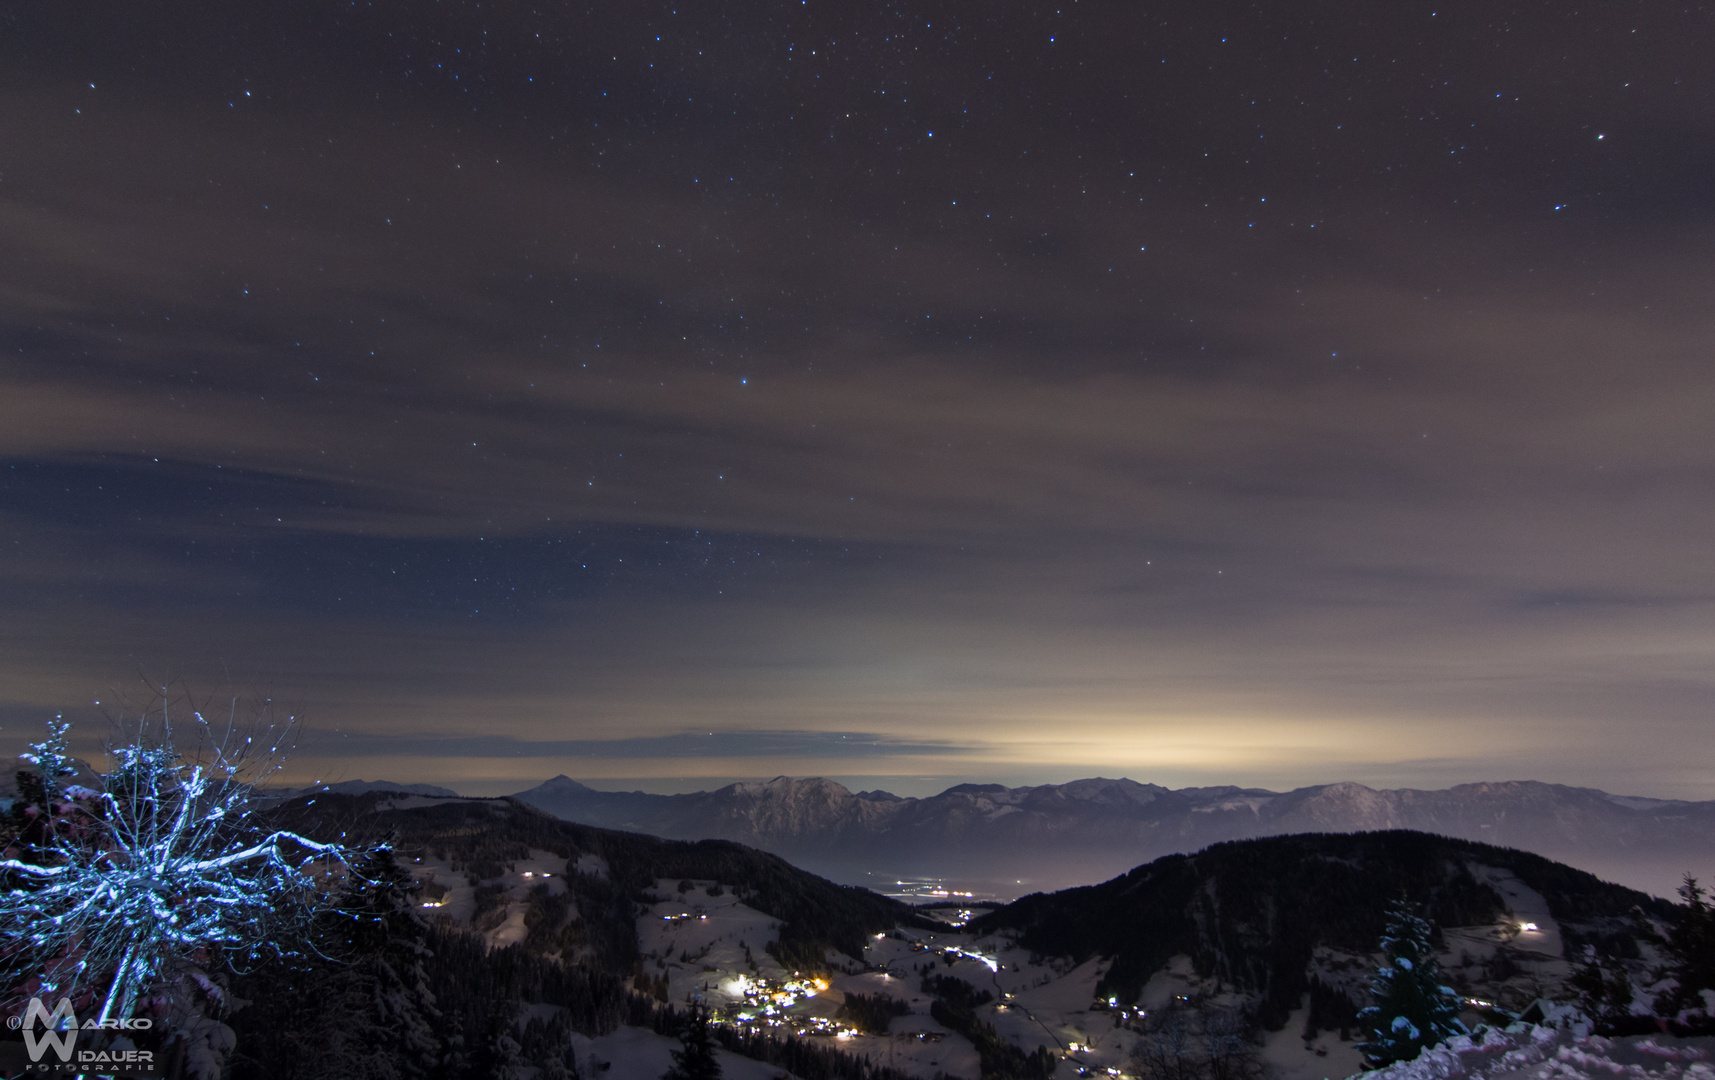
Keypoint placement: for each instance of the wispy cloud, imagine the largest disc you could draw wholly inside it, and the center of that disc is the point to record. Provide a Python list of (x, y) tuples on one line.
[(834, 745), (475, 436)]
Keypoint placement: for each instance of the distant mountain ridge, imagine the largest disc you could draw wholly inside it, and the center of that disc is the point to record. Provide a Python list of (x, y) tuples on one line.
[(1053, 835), (363, 787)]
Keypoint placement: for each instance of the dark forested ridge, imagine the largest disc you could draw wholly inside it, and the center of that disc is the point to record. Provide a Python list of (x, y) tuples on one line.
[(386, 989), (483, 836), (1251, 913)]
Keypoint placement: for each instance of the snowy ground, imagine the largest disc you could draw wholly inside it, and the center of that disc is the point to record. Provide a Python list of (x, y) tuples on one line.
[(1048, 1004), (1053, 1004), (707, 946), (639, 1054), (1289, 1057), (710, 947), (1537, 931), (1541, 1053), (450, 894)]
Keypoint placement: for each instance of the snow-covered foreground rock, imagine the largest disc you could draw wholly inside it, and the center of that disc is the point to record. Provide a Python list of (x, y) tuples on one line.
[(1544, 1053)]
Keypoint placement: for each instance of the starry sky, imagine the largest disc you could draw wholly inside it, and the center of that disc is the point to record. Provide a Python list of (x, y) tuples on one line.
[(1201, 392)]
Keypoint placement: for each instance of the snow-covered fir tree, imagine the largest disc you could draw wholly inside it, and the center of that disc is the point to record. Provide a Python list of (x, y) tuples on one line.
[(1410, 1006), (509, 1054), (1690, 948), (695, 1059), (361, 1009), (1605, 996)]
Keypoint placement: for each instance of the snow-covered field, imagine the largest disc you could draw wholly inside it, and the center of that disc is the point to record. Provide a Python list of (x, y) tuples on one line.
[(450, 894), (708, 945), (639, 1054), (1289, 1057), (711, 948)]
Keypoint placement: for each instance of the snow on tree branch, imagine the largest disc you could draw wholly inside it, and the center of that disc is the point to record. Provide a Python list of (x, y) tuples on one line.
[(111, 894)]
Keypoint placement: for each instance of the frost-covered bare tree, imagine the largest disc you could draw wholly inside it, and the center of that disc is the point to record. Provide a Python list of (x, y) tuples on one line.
[(116, 894), (1185, 1042)]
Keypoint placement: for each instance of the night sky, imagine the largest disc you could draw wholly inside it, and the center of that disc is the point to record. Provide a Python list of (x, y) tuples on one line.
[(1200, 392)]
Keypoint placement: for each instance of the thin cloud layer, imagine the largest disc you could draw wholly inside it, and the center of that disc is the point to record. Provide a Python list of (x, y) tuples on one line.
[(1236, 399)]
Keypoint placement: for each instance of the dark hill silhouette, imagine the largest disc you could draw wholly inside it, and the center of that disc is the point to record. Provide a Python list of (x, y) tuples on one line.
[(1250, 914), (483, 836)]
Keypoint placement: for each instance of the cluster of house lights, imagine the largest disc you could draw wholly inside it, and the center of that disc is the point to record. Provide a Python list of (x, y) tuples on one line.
[(766, 1003)]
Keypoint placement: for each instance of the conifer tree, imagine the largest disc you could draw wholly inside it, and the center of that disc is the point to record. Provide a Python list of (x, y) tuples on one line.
[(1690, 947), (377, 989), (360, 1008), (695, 1059), (1411, 1008), (1606, 997), (390, 951)]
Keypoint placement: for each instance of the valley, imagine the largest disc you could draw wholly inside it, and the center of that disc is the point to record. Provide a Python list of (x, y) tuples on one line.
[(1002, 843), (1074, 977)]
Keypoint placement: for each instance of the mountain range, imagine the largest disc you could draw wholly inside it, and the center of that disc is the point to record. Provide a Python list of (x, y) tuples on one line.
[(363, 787), (497, 940), (1007, 841)]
